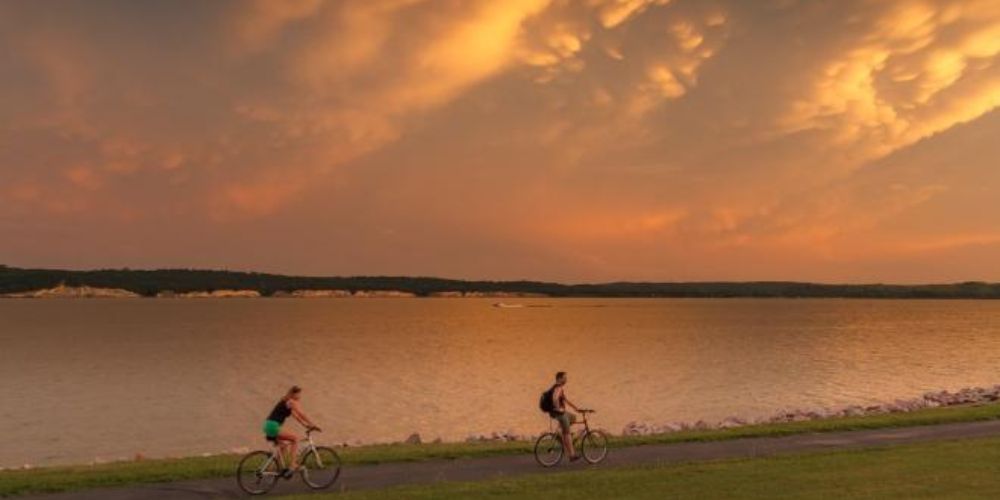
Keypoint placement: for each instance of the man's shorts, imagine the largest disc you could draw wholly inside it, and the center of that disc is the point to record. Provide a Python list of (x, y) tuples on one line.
[(565, 419)]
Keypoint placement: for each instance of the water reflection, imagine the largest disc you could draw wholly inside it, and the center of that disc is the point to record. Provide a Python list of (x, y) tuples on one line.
[(199, 375)]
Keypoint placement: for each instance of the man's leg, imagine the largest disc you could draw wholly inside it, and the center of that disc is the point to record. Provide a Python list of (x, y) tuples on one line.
[(568, 444), (567, 439)]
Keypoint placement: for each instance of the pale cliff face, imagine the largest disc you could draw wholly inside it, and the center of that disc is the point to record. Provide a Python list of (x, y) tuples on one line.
[(63, 291), (225, 294)]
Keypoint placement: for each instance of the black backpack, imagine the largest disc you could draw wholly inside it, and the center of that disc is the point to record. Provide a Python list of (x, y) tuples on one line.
[(546, 404)]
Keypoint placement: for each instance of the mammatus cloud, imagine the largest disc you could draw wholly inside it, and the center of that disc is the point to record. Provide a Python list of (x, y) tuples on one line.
[(912, 70), (614, 12), (918, 68), (365, 69), (259, 23), (593, 139)]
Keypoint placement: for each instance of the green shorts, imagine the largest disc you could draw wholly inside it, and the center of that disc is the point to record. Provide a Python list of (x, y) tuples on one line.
[(271, 429), (565, 419)]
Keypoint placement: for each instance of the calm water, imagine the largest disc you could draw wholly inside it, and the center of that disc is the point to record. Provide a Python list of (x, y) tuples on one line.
[(86, 379)]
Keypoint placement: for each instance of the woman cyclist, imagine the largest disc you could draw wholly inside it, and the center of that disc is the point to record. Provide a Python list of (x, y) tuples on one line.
[(284, 438)]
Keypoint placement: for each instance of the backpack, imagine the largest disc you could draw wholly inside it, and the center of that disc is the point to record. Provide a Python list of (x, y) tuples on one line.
[(546, 404)]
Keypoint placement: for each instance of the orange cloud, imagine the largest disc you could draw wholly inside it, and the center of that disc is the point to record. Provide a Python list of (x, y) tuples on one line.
[(906, 80), (253, 199), (342, 119), (612, 226), (615, 12), (596, 138), (23, 193), (946, 242), (259, 22), (84, 177)]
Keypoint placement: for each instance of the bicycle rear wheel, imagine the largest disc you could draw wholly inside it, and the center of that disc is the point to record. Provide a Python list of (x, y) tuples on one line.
[(257, 472), (594, 446), (320, 467), (548, 449)]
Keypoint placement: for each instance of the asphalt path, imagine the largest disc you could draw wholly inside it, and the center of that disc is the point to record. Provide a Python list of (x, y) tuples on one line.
[(364, 477)]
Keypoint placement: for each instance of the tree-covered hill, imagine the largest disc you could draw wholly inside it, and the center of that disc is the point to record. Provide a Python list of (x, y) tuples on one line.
[(151, 282)]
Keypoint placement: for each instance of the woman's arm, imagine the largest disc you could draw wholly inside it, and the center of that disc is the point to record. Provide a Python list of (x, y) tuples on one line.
[(300, 415)]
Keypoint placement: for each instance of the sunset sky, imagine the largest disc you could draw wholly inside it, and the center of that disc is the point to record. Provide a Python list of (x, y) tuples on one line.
[(586, 140)]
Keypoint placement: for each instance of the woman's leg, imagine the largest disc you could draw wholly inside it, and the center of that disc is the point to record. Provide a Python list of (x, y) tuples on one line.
[(290, 439)]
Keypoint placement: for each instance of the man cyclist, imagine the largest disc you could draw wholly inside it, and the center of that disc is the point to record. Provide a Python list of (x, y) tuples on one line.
[(559, 413), (285, 439)]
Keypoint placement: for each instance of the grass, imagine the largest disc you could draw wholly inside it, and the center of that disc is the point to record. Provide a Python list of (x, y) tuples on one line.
[(67, 478), (951, 469)]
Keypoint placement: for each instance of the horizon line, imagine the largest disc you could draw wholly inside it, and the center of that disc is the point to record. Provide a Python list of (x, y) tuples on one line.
[(508, 280)]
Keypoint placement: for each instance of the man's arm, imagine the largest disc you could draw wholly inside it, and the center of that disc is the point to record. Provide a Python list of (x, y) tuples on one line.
[(570, 403), (300, 415), (562, 396)]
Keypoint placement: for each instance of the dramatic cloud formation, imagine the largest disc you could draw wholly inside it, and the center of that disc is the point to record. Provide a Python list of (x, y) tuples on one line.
[(550, 139)]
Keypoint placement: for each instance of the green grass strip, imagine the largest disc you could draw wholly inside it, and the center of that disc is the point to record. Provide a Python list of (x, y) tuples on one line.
[(939, 470), (68, 478)]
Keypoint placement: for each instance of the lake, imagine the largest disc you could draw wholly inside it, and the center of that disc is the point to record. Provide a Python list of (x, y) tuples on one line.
[(105, 379)]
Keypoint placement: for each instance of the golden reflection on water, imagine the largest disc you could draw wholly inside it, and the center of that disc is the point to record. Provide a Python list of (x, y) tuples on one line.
[(200, 375)]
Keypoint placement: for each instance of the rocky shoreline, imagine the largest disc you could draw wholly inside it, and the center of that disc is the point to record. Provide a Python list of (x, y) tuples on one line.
[(969, 395), (938, 399)]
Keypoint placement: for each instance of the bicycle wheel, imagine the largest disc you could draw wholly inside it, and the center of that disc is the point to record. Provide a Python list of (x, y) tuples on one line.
[(320, 467), (257, 472), (548, 449), (594, 446)]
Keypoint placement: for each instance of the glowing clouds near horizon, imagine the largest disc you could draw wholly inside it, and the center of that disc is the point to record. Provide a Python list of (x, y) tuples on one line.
[(552, 139)]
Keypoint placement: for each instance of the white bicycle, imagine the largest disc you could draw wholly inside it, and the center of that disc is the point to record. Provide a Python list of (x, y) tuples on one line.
[(260, 470)]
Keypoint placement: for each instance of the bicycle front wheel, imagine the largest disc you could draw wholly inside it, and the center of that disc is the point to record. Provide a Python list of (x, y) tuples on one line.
[(320, 467), (257, 472), (548, 449), (594, 446)]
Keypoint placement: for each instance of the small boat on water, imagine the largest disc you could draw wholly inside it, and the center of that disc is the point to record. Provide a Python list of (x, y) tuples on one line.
[(507, 306)]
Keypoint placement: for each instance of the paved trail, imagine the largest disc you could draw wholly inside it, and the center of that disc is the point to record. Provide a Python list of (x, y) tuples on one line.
[(387, 475)]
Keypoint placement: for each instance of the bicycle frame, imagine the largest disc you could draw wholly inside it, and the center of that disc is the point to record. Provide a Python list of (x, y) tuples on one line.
[(276, 452), (578, 438), (583, 421)]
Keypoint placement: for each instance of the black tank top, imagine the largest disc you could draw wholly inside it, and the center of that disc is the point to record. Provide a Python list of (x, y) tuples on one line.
[(280, 412)]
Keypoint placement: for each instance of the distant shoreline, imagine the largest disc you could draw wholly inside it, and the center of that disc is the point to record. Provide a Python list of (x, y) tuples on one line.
[(63, 291), (91, 293), (189, 283)]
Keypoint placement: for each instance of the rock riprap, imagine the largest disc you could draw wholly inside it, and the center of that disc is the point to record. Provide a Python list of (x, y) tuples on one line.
[(970, 395)]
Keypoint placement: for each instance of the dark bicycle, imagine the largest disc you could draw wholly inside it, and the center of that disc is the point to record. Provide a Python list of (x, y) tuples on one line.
[(592, 443)]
